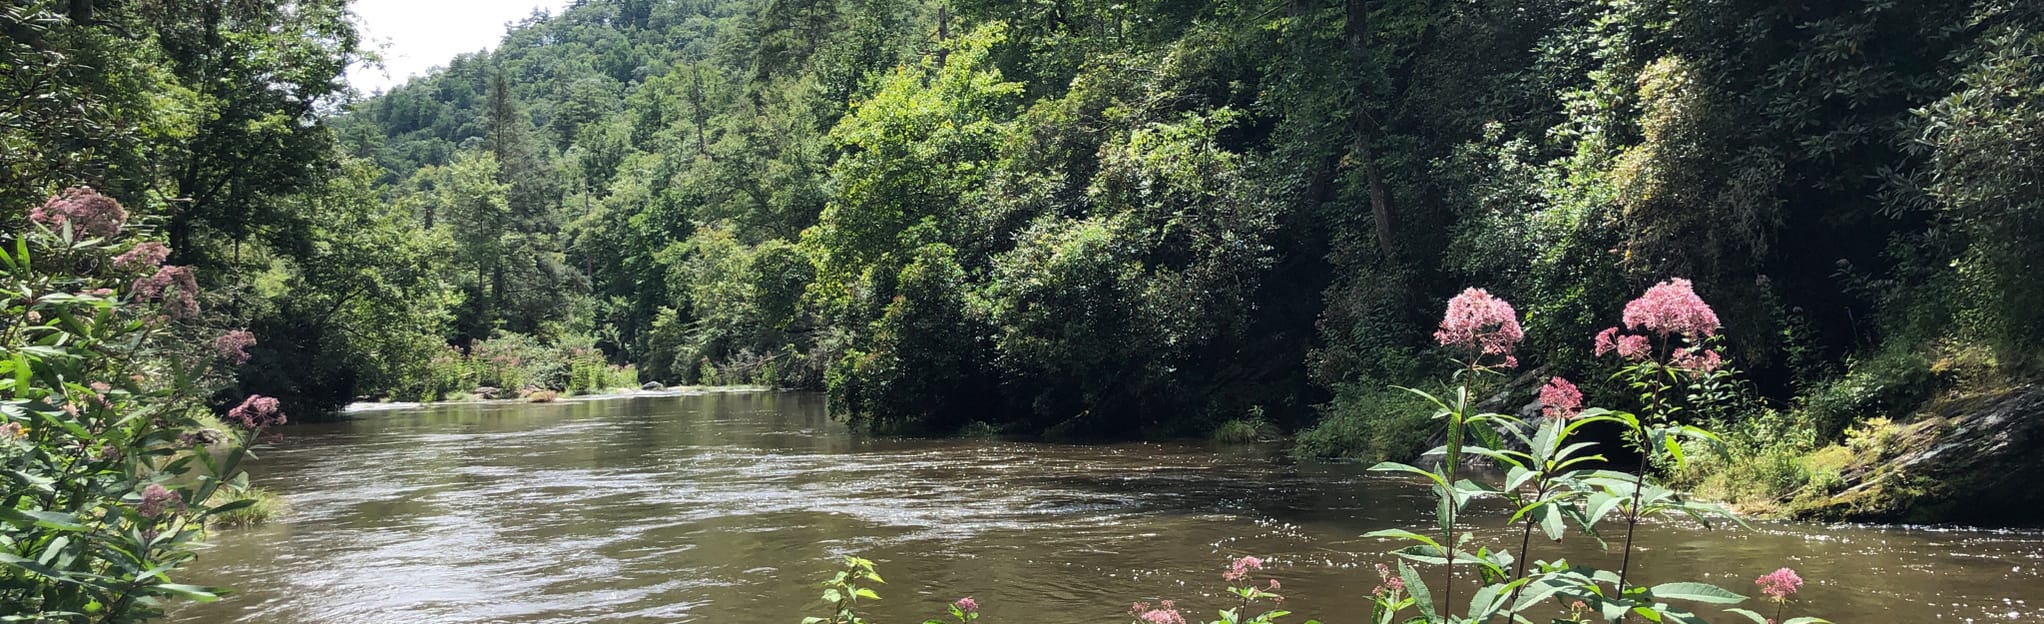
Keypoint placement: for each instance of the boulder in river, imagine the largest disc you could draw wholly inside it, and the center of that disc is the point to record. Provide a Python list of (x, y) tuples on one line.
[(652, 385), (1975, 459), (487, 393)]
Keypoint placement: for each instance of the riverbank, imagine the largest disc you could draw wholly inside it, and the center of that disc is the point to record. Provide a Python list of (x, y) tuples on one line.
[(615, 393)]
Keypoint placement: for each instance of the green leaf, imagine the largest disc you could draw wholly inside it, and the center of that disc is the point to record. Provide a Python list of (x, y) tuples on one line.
[(866, 593), (1755, 617), (190, 592), (1405, 535), (1398, 467), (1550, 523), (1486, 602), (1418, 588), (1695, 592), (46, 519)]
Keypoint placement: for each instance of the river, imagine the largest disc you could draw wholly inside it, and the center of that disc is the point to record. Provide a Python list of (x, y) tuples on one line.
[(730, 507)]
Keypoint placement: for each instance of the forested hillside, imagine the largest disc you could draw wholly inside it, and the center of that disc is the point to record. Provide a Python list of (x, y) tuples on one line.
[(1149, 218), (1094, 218)]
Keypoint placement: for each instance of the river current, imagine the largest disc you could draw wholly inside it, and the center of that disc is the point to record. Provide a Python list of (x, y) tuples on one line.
[(732, 507)]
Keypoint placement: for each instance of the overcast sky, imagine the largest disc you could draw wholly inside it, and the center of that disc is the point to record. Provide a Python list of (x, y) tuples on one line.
[(416, 35)]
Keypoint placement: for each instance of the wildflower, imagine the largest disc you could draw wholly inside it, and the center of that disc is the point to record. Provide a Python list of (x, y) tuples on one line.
[(1698, 361), (966, 605), (1672, 307), (142, 257), (1561, 399), (1166, 612), (1633, 347), (1390, 583), (256, 412), (13, 431), (232, 347), (156, 498), (175, 286), (88, 212), (1779, 584), (1241, 569), (1628, 346), (1484, 324)]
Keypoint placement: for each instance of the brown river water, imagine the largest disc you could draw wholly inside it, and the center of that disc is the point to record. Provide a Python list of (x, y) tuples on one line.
[(732, 507)]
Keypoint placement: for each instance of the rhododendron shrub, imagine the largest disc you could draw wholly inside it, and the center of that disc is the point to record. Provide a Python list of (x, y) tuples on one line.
[(106, 366)]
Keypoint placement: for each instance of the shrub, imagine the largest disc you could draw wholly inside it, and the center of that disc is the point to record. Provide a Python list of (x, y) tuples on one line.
[(261, 505), (1372, 425), (112, 477), (1891, 382)]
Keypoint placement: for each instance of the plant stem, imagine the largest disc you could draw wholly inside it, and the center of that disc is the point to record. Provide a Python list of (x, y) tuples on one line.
[(1632, 521), (1448, 506), (1639, 480), (1525, 545)]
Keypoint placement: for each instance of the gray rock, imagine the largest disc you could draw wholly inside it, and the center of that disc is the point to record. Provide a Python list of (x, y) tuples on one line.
[(1971, 460)]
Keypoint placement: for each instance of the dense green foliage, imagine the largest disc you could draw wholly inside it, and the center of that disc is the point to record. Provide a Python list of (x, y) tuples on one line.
[(1074, 217), (111, 463), (1154, 218)]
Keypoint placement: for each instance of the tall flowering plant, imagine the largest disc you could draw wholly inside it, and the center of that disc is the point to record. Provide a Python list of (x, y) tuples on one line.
[(1548, 476), (107, 475)]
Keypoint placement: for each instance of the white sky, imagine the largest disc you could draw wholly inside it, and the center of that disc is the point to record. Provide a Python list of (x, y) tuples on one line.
[(416, 35)]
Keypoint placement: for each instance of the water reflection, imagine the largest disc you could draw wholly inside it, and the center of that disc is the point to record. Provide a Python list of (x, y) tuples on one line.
[(730, 507)]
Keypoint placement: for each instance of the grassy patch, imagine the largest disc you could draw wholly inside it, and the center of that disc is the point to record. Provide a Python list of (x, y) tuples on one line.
[(1377, 425), (1245, 431), (265, 506)]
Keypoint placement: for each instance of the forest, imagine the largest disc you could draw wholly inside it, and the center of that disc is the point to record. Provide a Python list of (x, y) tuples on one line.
[(1069, 220), (1080, 219)]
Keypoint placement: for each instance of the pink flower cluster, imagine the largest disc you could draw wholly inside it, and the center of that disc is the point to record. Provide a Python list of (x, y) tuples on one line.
[(175, 286), (1389, 582), (232, 347), (1628, 346), (1241, 569), (966, 605), (1779, 584), (1166, 612), (156, 499), (257, 411), (88, 212), (142, 257), (1560, 399), (1481, 323), (1697, 359), (1672, 307)]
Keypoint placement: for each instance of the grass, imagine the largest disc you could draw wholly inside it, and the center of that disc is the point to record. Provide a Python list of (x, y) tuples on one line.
[(1245, 431), (266, 506), (1372, 425)]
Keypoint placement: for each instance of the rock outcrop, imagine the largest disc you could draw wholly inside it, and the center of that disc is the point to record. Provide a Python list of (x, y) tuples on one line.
[(1973, 460)]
